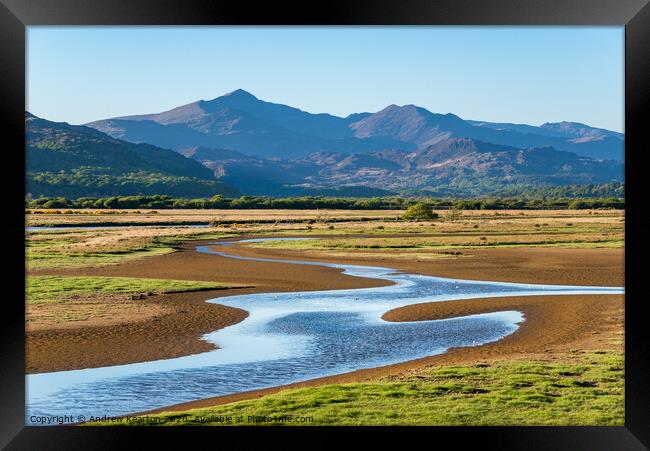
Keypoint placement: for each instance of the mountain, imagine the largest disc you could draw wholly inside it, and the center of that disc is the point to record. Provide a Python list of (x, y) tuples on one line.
[(240, 121), (555, 129), (410, 123), (456, 159), (459, 165), (267, 148), (72, 160), (580, 132), (413, 124)]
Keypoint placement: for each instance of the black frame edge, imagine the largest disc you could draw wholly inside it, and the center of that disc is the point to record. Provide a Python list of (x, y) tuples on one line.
[(332, 12), (637, 101), (12, 129), (635, 14)]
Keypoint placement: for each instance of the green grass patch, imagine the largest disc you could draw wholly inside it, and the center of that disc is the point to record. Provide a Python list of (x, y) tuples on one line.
[(45, 289), (55, 259), (429, 243), (588, 391), (47, 250)]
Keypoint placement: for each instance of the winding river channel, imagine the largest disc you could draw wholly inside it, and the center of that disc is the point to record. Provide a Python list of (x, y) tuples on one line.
[(290, 337)]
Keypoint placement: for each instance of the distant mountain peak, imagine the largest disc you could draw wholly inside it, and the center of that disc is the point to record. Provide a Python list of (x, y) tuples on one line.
[(393, 108), (564, 125), (240, 93), (581, 132), (237, 99)]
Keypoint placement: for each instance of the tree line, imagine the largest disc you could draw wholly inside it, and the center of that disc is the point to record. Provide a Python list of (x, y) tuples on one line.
[(315, 202)]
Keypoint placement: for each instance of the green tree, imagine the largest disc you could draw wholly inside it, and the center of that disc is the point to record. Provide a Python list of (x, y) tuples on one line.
[(419, 211), (578, 205), (55, 203)]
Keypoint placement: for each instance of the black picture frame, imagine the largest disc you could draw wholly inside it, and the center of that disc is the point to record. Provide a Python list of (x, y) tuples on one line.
[(15, 15)]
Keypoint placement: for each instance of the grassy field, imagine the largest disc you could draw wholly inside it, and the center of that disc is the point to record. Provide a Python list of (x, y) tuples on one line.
[(46, 289), (55, 302), (60, 248), (73, 216), (585, 390), (78, 248), (569, 230)]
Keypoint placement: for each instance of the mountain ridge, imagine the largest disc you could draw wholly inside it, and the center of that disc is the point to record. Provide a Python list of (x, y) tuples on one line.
[(242, 122), (463, 163)]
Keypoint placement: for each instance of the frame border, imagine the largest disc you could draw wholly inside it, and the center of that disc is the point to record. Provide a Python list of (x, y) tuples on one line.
[(16, 15)]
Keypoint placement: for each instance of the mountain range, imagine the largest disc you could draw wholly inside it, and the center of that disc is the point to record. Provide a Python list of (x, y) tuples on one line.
[(240, 121), (263, 148), (268, 148)]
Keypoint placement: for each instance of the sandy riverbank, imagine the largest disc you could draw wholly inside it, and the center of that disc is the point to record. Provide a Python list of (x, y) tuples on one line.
[(180, 319)]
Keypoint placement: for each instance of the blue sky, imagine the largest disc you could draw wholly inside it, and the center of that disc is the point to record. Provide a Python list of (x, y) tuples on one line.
[(503, 74)]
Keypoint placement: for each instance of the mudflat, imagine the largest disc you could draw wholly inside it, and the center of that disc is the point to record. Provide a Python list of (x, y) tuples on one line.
[(181, 319), (544, 265), (163, 326)]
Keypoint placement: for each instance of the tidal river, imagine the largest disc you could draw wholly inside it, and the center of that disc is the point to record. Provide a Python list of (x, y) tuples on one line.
[(289, 337)]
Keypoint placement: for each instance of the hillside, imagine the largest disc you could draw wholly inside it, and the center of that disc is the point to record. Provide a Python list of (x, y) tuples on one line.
[(73, 161), (458, 165)]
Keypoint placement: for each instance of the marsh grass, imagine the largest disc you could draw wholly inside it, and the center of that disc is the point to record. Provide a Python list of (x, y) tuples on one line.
[(92, 248), (449, 242), (83, 248), (52, 289), (588, 390)]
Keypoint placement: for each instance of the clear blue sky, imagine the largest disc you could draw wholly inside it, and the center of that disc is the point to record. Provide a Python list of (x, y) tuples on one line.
[(506, 74)]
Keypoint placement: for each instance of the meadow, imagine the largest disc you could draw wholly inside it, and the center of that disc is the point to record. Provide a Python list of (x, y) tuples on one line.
[(586, 389), (470, 229)]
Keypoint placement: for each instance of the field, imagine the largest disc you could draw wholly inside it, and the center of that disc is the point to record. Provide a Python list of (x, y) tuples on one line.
[(89, 285), (587, 390), (43, 217), (473, 229)]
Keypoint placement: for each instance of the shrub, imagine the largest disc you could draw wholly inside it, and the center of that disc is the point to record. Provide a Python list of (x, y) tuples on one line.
[(455, 213), (55, 204), (578, 205), (419, 211)]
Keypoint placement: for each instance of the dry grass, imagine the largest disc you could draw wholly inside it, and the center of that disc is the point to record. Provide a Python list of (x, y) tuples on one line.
[(67, 248), (94, 310), (60, 301), (203, 216), (199, 216), (422, 240)]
